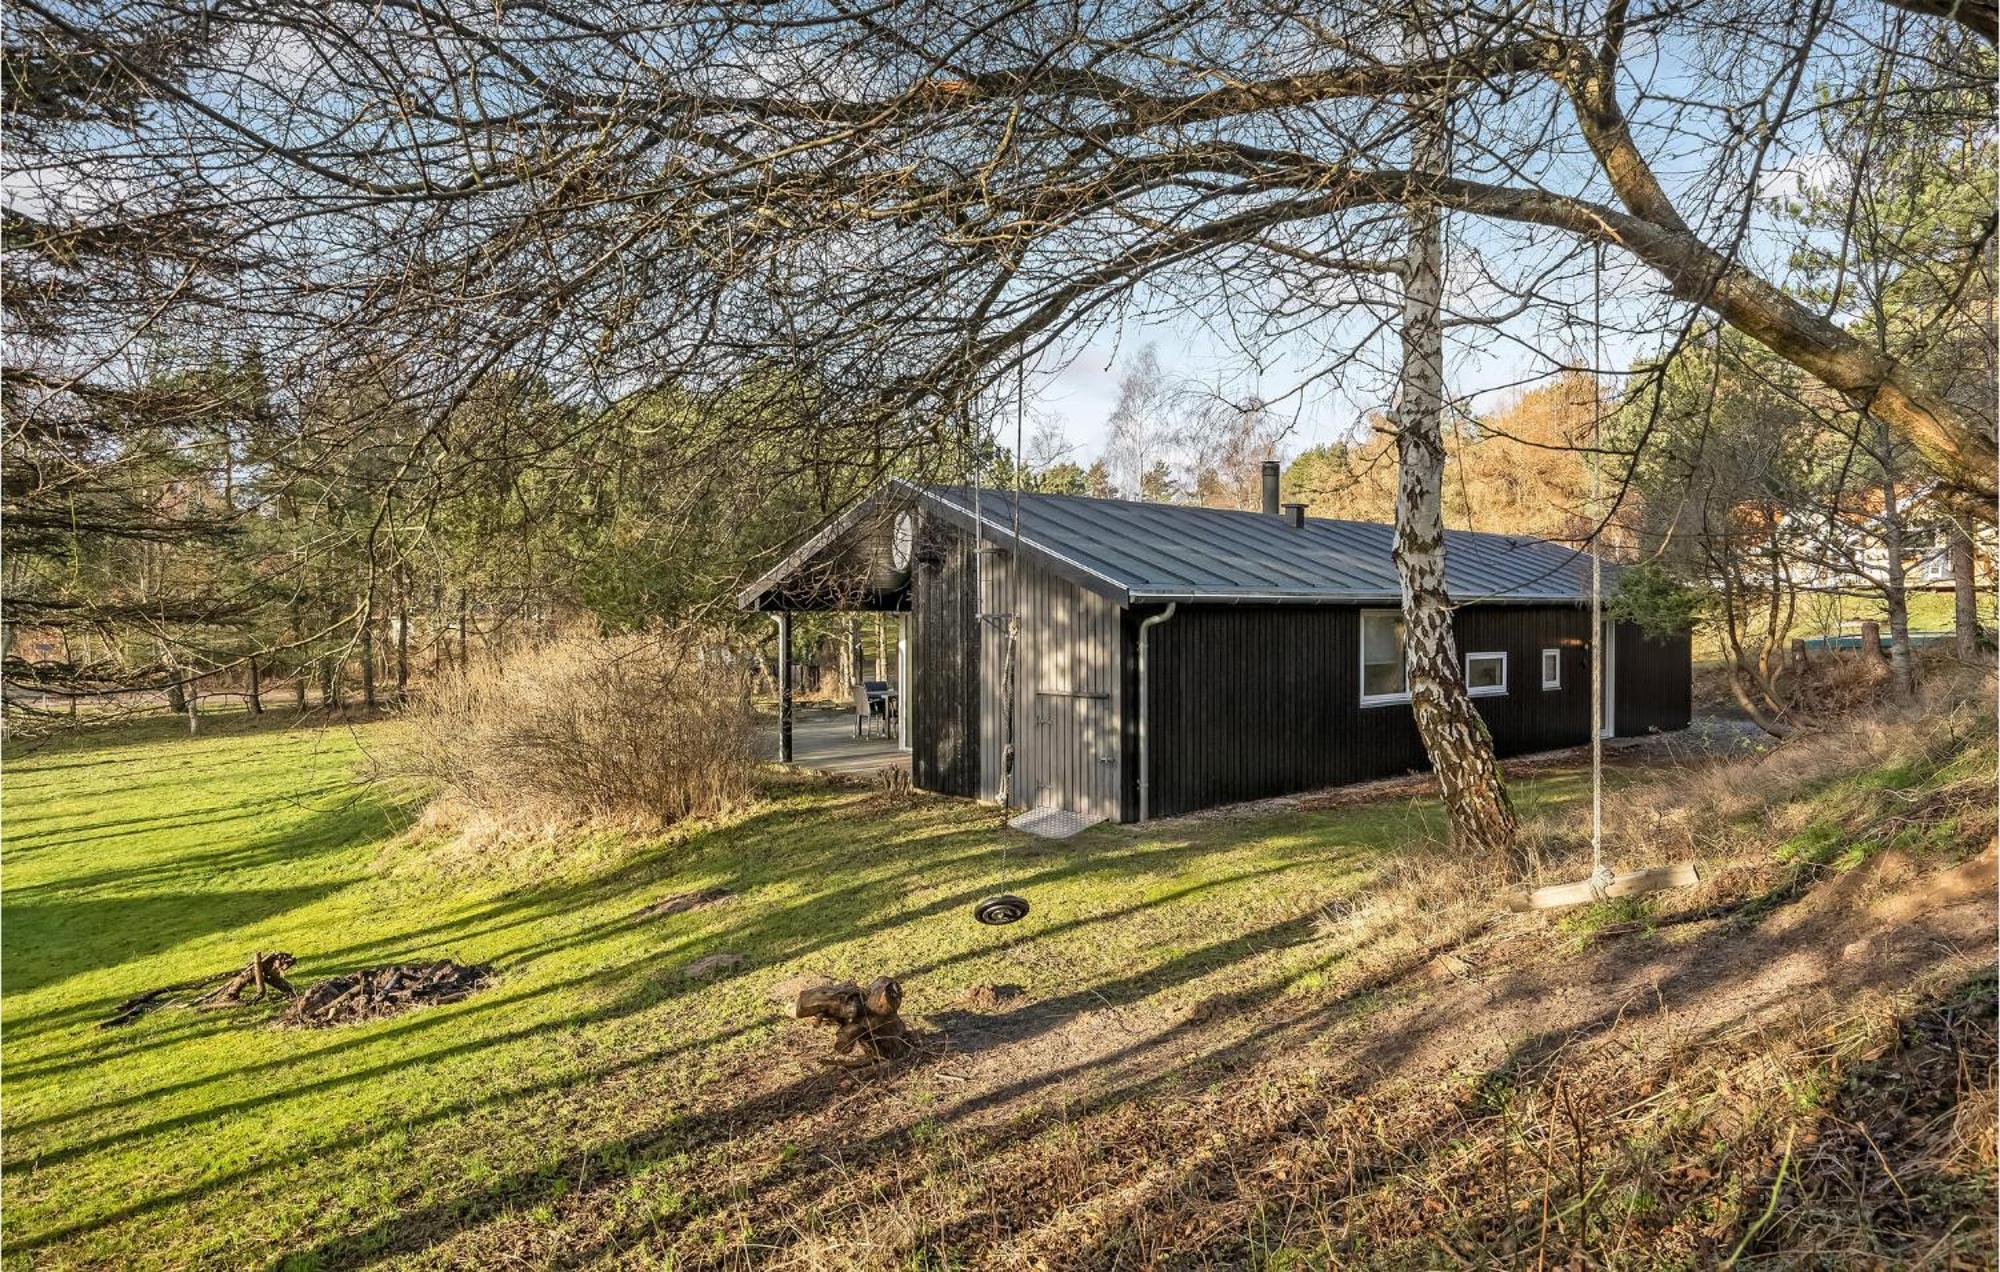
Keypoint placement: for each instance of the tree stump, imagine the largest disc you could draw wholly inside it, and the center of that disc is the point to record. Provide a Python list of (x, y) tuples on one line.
[(865, 1017), (1871, 639)]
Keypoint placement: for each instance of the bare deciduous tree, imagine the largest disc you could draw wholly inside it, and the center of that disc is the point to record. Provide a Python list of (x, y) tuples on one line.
[(914, 200)]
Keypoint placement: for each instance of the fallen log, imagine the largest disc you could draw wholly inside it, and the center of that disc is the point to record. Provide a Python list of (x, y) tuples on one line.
[(865, 1017), (1633, 883)]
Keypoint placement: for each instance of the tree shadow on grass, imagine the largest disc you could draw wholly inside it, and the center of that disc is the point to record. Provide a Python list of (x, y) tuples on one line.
[(635, 982), (645, 989), (1645, 981), (872, 896), (800, 927), (86, 747), (22, 843), (50, 941), (416, 1231)]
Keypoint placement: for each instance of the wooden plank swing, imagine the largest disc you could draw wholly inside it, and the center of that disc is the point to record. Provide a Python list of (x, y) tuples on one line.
[(1630, 883), (1604, 883)]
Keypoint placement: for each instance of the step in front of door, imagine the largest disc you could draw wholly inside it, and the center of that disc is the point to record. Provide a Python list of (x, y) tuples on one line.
[(1053, 823)]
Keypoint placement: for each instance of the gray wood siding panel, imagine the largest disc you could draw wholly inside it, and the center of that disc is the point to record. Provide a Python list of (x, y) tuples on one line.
[(1068, 692)]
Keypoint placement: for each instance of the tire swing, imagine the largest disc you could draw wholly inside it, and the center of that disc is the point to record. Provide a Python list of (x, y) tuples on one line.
[(1000, 909), (1604, 883)]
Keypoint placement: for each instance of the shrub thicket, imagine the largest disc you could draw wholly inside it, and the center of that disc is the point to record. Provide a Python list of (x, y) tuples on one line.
[(638, 730)]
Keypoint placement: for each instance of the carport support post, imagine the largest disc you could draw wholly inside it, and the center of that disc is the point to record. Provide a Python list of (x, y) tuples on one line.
[(784, 686)]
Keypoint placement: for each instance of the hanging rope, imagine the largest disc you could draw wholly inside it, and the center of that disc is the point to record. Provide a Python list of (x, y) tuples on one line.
[(1603, 882), (1600, 869), (1004, 908)]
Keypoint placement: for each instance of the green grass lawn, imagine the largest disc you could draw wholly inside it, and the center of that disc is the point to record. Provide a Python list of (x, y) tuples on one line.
[(141, 858), (1822, 615)]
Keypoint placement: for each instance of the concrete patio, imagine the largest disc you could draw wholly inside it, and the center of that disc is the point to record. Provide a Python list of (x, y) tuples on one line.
[(823, 740)]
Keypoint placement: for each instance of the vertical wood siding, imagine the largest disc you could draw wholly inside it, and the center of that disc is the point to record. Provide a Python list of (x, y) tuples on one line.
[(1655, 682), (944, 675), (1254, 701), (1068, 692)]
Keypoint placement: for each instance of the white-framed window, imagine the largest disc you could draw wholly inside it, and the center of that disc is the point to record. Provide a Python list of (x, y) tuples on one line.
[(1486, 675), (1385, 674), (1552, 669)]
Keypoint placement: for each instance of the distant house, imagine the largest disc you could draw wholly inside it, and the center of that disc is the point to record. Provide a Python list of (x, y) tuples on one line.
[(1171, 658), (1846, 552)]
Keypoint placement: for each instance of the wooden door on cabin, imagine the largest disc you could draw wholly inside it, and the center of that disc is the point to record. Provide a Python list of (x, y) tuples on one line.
[(1076, 753)]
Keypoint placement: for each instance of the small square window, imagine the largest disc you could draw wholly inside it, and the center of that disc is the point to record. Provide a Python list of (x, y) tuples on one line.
[(1385, 675), (1552, 669), (1485, 675)]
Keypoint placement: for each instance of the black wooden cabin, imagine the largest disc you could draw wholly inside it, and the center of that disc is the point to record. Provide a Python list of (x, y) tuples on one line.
[(1170, 658)]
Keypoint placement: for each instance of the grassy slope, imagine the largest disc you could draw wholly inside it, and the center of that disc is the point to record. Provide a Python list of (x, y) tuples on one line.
[(145, 859), (596, 1099)]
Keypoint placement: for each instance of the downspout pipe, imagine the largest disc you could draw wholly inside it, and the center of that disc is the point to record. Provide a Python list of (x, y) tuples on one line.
[(1146, 626)]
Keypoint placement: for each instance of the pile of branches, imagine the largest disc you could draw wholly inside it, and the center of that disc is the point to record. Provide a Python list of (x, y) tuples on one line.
[(375, 992), (265, 973)]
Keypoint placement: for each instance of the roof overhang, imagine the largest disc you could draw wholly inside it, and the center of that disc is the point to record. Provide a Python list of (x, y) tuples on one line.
[(998, 532), (830, 570), (800, 581)]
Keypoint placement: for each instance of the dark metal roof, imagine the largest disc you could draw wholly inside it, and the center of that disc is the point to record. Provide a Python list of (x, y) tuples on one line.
[(1142, 552), (1139, 553)]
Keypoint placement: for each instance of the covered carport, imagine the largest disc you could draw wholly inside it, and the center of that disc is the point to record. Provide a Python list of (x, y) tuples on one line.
[(857, 564)]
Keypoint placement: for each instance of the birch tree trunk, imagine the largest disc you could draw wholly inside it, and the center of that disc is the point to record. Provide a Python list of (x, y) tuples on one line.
[(1902, 667), (1454, 735)]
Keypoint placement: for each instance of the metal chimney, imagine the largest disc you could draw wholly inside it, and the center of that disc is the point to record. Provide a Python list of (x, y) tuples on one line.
[(1295, 515), (1271, 487)]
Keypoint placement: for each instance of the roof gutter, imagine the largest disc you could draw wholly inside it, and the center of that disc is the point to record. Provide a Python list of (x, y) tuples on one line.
[(1146, 625), (1338, 598)]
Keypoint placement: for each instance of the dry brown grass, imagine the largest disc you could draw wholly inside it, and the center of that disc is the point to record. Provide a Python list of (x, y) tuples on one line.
[(1842, 1135), (636, 731), (1730, 812), (1719, 808)]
